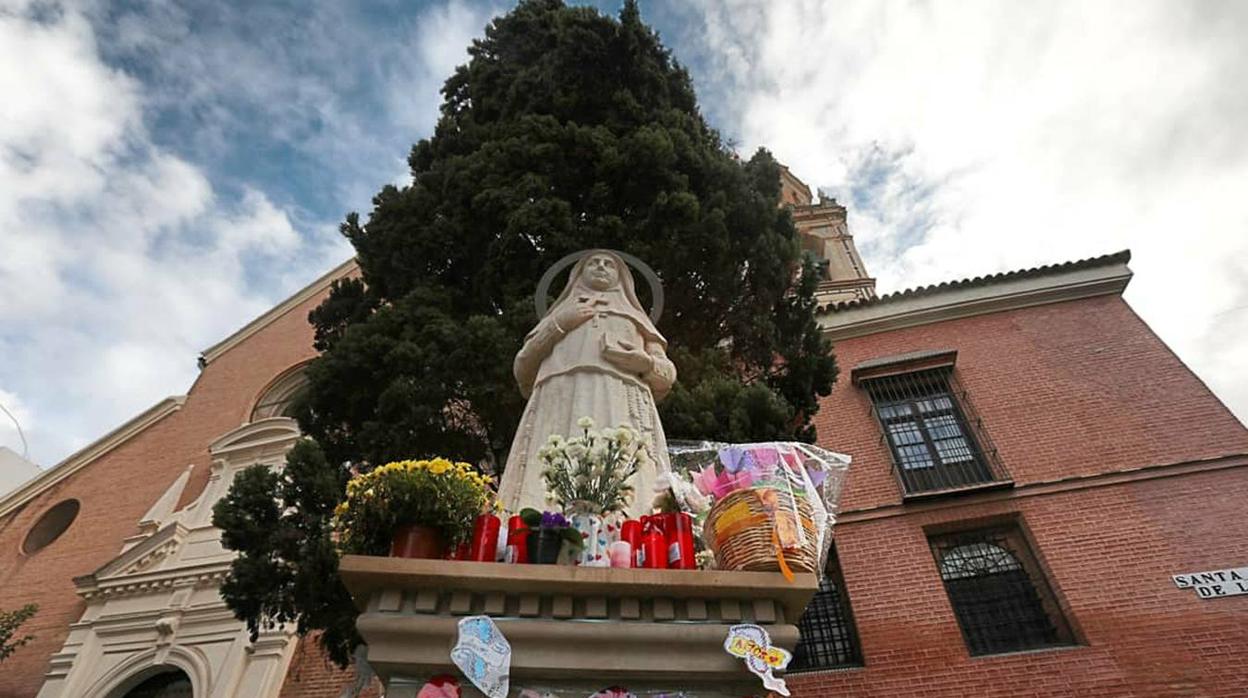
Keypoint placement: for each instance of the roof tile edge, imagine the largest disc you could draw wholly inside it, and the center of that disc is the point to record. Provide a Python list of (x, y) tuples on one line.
[(1106, 274)]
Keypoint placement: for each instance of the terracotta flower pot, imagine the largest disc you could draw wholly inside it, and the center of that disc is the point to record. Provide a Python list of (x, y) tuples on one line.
[(423, 542)]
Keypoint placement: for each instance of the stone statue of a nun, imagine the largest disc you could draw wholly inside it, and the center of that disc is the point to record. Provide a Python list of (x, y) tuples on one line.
[(595, 354)]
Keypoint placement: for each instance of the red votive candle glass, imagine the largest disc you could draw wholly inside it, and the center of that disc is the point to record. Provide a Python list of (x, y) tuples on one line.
[(484, 538), (680, 541), (463, 551), (517, 541), (653, 546), (630, 532), (667, 524)]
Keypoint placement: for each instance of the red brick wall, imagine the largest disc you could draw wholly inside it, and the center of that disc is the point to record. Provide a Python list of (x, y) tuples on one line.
[(1065, 390), (118, 488), (312, 675), (1108, 552)]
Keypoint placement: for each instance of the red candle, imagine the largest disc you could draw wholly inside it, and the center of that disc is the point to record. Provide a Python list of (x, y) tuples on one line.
[(517, 541), (630, 532), (461, 552), (667, 523), (484, 538), (680, 542), (653, 547)]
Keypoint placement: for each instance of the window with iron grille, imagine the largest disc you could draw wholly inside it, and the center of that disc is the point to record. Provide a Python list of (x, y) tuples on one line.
[(928, 433), (1001, 599), (827, 638)]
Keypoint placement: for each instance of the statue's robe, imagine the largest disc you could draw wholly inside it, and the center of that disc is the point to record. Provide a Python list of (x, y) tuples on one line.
[(566, 377)]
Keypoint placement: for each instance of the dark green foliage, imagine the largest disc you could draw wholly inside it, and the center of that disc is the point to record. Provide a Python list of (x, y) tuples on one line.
[(288, 570), (10, 621), (566, 130)]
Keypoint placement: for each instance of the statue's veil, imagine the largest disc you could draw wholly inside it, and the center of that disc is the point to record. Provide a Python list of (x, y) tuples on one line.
[(622, 300)]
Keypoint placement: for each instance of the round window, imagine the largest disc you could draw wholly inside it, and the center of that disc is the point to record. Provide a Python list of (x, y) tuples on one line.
[(50, 526)]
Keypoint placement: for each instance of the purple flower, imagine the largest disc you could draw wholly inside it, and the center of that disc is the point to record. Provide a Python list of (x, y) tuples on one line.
[(553, 519), (731, 458), (817, 476)]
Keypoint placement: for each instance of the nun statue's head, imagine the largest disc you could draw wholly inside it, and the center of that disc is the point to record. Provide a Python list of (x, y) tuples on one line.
[(601, 271)]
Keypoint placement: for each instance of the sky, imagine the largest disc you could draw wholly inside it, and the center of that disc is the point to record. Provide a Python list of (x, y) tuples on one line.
[(171, 170)]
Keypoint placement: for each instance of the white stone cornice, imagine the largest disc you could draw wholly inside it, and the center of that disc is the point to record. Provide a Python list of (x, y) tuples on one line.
[(273, 433), (970, 299), (343, 270), (90, 586), (163, 509), (138, 556), (10, 502)]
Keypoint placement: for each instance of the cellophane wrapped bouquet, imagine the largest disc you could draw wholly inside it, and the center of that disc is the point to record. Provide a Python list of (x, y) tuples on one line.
[(762, 500)]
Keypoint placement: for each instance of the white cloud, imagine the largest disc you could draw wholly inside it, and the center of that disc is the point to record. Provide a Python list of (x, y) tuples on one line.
[(121, 260), (439, 37), (15, 419), (973, 137), (967, 138), (132, 236)]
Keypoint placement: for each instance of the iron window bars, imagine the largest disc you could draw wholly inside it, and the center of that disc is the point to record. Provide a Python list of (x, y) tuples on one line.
[(1001, 599), (827, 636), (935, 447)]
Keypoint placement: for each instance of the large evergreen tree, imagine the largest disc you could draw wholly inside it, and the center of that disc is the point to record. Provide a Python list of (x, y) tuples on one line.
[(566, 130)]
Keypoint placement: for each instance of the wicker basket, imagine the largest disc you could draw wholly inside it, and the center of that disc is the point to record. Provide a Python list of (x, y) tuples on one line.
[(743, 535)]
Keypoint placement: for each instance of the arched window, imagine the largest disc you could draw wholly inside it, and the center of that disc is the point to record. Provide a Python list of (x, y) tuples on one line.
[(278, 399), (977, 560), (171, 683), (1002, 602)]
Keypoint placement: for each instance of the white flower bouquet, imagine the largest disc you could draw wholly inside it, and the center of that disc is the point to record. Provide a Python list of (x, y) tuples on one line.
[(592, 470)]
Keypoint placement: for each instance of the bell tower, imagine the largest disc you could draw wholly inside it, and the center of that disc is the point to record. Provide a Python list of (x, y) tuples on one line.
[(824, 232)]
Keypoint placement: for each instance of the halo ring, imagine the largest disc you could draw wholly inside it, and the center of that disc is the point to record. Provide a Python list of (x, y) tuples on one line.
[(652, 279)]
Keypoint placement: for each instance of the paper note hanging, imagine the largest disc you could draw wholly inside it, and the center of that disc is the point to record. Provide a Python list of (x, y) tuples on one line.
[(484, 655), (752, 643)]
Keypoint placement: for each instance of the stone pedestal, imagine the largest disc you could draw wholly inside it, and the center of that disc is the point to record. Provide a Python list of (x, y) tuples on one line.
[(572, 625)]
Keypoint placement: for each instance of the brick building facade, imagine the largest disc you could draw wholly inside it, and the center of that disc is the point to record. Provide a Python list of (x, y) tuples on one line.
[(1110, 468), (1022, 440)]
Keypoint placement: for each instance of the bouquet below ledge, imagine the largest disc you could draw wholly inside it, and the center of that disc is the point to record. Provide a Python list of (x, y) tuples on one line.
[(589, 473), (436, 493)]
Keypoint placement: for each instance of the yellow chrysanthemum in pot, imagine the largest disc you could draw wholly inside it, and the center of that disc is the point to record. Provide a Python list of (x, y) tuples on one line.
[(412, 508)]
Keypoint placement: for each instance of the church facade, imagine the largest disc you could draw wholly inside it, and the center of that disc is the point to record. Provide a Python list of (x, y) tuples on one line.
[(115, 544), (1032, 469)]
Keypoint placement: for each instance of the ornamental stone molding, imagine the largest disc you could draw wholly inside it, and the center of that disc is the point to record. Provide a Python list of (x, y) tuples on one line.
[(571, 625), (158, 606)]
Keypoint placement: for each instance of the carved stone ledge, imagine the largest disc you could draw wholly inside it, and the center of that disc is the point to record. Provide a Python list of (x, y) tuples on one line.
[(571, 622)]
